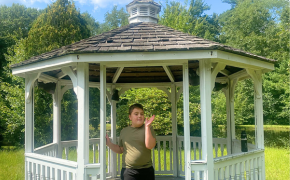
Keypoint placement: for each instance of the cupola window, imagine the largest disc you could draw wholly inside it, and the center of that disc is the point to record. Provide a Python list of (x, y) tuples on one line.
[(143, 11)]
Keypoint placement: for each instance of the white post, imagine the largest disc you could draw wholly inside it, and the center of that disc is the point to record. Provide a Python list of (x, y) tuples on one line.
[(231, 133), (113, 136), (187, 158), (206, 121), (257, 78), (57, 96), (174, 128), (29, 116), (83, 118), (103, 121), (29, 119)]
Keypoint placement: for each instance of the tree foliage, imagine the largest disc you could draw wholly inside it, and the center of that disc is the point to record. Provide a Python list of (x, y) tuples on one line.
[(15, 23), (60, 24), (114, 19), (191, 20), (258, 26)]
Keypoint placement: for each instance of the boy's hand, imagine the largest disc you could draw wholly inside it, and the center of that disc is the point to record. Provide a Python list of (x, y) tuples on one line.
[(149, 121), (107, 139)]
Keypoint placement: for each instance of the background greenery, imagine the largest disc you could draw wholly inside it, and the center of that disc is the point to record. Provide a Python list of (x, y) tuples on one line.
[(257, 26)]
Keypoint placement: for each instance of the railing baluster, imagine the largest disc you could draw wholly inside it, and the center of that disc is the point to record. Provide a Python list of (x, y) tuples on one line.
[(238, 171), (94, 153), (216, 174), (252, 168), (66, 151), (222, 173), (164, 154), (232, 172), (260, 166), (170, 150), (247, 167), (52, 173), (194, 150), (222, 150), (99, 154), (242, 174), (227, 172), (256, 168), (47, 173), (216, 149), (159, 162), (199, 149)]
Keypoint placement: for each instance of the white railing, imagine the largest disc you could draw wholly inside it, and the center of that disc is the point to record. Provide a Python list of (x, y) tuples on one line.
[(39, 166), (242, 166), (162, 157), (164, 149), (219, 147), (47, 150), (68, 146)]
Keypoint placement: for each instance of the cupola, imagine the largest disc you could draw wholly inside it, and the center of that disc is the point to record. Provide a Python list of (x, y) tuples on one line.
[(143, 11)]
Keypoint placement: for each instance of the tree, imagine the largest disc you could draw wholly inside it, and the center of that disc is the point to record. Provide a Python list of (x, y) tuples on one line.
[(191, 20), (114, 19), (252, 26), (15, 22), (92, 25), (60, 24)]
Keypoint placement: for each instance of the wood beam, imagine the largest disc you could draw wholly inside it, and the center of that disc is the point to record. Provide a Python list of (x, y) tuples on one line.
[(117, 74), (169, 73), (47, 79), (225, 72)]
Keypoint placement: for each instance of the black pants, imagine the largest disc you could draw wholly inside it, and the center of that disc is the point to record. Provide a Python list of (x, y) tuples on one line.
[(138, 174)]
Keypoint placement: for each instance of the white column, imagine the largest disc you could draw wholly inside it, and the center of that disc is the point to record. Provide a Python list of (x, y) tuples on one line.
[(257, 78), (114, 137), (29, 118), (174, 128), (231, 133), (187, 158), (103, 121), (83, 118), (29, 115), (206, 121), (57, 96)]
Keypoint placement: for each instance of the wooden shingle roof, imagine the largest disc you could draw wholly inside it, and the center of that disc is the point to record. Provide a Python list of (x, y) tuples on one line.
[(138, 37)]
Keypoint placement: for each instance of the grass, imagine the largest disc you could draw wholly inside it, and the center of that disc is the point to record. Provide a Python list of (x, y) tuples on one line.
[(267, 127), (277, 163), (12, 164)]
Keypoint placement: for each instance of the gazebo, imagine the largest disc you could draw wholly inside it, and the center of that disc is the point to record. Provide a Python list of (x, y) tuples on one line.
[(145, 54)]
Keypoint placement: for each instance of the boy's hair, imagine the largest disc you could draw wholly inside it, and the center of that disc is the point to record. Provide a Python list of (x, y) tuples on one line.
[(132, 107)]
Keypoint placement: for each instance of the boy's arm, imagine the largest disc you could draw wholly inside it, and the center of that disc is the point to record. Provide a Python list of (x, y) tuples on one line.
[(150, 141), (114, 147)]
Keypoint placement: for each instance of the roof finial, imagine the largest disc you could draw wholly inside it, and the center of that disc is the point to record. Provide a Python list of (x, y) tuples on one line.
[(143, 11)]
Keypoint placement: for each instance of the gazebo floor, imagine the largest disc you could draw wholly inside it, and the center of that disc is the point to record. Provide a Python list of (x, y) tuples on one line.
[(157, 178)]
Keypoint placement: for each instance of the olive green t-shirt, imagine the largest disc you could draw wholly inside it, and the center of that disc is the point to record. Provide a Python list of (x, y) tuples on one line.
[(135, 154)]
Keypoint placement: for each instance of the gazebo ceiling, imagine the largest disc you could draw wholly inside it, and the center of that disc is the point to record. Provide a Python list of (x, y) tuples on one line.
[(139, 37), (140, 74)]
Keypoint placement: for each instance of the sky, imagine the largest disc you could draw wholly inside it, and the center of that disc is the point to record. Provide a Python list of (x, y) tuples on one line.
[(98, 8)]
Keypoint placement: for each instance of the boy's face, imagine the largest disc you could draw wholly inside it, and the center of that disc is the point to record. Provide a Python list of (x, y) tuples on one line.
[(137, 117)]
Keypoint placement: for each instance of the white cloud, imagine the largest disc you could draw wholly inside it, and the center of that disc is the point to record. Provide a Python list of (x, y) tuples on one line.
[(105, 3)]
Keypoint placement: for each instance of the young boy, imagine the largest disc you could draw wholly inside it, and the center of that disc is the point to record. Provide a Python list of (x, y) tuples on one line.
[(136, 142)]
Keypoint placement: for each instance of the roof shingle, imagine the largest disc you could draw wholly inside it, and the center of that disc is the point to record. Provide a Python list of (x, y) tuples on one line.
[(138, 37)]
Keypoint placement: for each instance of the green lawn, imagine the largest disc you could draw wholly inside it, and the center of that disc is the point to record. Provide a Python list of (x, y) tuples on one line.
[(277, 164)]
